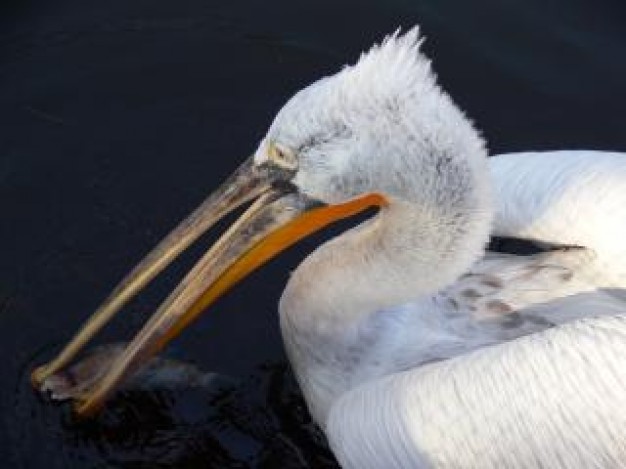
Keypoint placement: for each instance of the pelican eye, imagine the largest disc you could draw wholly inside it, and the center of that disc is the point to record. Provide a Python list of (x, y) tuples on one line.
[(282, 157)]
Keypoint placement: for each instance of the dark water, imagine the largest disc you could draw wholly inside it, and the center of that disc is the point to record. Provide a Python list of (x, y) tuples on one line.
[(118, 117)]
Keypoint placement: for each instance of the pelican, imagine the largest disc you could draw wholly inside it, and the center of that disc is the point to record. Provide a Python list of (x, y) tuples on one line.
[(413, 345)]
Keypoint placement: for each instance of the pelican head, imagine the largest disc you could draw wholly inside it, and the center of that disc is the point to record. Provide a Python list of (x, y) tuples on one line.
[(378, 133), (382, 125)]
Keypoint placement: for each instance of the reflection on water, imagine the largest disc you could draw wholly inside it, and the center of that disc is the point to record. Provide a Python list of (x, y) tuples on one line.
[(168, 419), (260, 423)]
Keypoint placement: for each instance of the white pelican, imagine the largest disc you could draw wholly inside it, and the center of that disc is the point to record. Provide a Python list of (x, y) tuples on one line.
[(413, 347)]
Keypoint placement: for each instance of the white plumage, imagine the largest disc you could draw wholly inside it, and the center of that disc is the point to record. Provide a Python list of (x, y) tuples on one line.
[(364, 315), (566, 197), (554, 399)]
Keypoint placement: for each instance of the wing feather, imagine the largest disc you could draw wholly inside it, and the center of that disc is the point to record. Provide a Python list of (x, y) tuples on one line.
[(553, 399), (566, 197)]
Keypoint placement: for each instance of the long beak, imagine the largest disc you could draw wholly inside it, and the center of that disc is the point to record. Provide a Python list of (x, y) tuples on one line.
[(279, 217)]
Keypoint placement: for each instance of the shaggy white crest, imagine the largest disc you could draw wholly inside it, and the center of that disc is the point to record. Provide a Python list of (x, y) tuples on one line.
[(394, 69)]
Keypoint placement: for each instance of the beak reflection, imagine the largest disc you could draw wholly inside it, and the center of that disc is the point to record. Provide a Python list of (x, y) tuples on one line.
[(278, 217)]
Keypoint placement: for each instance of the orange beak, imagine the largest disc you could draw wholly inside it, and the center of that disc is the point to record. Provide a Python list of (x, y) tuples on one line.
[(278, 217)]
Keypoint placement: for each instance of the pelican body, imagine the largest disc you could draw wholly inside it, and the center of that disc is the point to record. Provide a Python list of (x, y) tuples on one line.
[(413, 345)]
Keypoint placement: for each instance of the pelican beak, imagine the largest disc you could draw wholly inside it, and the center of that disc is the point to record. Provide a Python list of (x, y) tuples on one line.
[(278, 217)]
